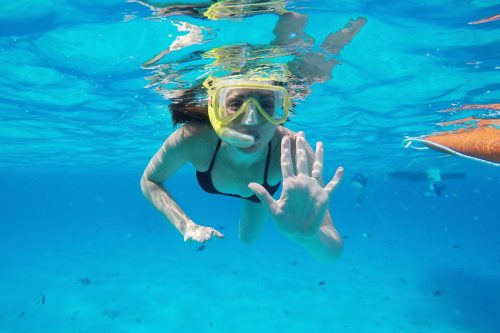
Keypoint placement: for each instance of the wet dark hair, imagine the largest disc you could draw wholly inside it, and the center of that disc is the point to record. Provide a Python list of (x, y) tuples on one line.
[(191, 106)]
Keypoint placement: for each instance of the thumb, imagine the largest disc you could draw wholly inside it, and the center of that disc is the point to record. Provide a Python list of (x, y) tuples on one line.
[(262, 194), (218, 234)]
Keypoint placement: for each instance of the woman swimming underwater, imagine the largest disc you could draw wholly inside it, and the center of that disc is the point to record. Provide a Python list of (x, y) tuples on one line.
[(236, 141), (238, 148)]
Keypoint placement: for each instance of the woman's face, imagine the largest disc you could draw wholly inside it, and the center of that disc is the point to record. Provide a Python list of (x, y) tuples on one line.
[(251, 121)]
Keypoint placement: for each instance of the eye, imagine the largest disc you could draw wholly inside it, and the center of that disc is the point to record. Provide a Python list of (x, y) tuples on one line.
[(267, 104), (234, 104)]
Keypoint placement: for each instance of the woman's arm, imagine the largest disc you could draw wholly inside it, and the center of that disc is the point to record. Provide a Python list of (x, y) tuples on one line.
[(301, 212), (326, 243), (253, 216), (172, 155)]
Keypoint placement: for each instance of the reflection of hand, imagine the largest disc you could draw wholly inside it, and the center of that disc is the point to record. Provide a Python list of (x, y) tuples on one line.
[(290, 30), (313, 67), (199, 233), (317, 67), (335, 42), (304, 201)]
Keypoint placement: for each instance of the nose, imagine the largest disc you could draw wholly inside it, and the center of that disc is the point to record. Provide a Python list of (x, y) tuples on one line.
[(251, 116)]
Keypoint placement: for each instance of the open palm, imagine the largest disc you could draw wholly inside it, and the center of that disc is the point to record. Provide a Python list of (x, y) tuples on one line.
[(304, 201)]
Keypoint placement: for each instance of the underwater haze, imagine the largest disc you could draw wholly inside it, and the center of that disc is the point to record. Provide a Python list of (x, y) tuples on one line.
[(82, 112)]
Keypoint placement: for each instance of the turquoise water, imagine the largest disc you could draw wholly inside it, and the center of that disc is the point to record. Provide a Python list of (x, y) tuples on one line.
[(82, 251)]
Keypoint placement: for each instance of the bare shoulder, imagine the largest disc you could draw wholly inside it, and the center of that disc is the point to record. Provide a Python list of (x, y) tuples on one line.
[(187, 144), (282, 131), (194, 141), (188, 135)]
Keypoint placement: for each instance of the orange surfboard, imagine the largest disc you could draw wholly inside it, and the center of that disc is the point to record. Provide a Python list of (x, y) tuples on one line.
[(480, 142)]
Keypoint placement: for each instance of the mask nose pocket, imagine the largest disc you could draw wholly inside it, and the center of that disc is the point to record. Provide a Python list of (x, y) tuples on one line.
[(251, 114)]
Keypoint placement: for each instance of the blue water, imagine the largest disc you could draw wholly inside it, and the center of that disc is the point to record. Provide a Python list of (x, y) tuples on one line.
[(78, 126)]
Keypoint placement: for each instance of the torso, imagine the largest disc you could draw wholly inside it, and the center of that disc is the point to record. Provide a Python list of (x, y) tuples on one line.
[(228, 176)]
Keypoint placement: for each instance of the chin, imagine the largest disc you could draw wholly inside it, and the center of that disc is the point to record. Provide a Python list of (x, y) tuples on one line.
[(254, 147)]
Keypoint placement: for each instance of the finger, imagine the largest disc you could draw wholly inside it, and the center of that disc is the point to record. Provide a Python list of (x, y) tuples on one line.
[(301, 155), (286, 159), (262, 194), (204, 235), (317, 168), (218, 234), (335, 181)]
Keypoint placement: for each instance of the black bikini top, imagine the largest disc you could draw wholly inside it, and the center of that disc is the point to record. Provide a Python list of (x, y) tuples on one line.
[(205, 178)]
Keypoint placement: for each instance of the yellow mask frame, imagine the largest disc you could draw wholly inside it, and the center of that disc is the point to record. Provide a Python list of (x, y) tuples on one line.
[(214, 107)]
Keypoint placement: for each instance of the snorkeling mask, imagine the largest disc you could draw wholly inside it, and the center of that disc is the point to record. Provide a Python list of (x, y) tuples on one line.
[(229, 99)]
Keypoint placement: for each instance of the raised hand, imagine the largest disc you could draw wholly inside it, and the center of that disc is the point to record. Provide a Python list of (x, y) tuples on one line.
[(304, 201)]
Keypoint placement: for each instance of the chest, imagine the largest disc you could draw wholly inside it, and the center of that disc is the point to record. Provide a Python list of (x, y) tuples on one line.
[(229, 178)]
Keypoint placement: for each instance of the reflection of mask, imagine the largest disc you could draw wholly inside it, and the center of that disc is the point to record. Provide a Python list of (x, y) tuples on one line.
[(237, 8)]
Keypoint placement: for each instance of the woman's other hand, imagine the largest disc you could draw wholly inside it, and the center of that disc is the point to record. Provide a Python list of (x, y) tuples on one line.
[(300, 210), (199, 233)]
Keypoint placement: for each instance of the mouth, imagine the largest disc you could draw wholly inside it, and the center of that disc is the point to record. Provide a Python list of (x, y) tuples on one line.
[(251, 141), (254, 134)]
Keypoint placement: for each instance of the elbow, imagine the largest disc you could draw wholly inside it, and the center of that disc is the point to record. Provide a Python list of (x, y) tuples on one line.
[(144, 185), (149, 186)]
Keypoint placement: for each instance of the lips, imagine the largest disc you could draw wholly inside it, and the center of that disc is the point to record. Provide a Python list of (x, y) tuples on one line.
[(254, 134)]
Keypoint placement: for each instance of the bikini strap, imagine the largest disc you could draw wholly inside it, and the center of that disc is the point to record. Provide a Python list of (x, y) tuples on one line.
[(213, 157)]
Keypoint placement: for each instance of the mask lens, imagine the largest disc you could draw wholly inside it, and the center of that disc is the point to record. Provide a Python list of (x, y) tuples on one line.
[(270, 101)]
